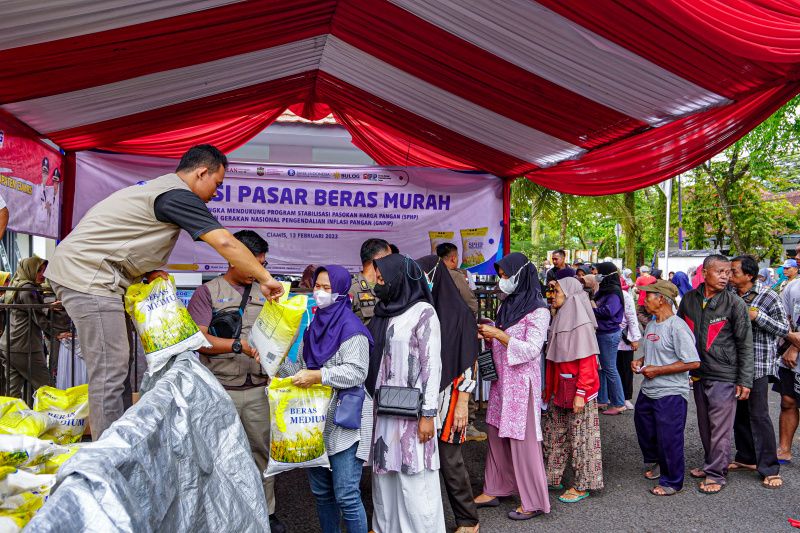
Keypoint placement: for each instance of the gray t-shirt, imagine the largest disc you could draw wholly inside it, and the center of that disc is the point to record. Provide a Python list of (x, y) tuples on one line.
[(665, 343)]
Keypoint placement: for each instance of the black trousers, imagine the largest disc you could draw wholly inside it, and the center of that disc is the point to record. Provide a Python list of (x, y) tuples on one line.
[(456, 482), (624, 360), (753, 432)]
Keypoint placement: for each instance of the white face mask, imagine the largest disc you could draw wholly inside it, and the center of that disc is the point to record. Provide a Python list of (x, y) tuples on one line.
[(324, 298), (509, 285)]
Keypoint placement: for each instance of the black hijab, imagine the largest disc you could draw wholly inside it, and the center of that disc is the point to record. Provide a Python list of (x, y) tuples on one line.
[(610, 284), (405, 285), (526, 297), (459, 327)]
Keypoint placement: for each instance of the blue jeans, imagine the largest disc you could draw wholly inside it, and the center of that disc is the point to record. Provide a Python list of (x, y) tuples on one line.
[(610, 382), (338, 493)]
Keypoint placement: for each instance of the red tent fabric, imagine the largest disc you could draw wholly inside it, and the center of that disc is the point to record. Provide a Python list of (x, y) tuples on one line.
[(582, 97)]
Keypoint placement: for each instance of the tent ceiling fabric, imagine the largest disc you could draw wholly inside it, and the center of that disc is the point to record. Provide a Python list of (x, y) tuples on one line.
[(582, 97)]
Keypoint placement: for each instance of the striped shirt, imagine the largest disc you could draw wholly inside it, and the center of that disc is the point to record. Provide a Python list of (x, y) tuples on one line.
[(345, 369)]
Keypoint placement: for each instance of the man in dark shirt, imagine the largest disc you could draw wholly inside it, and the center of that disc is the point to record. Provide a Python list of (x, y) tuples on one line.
[(559, 263)]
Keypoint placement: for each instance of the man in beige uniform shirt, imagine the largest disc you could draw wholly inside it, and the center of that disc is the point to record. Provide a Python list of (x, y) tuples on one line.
[(120, 241), (361, 290)]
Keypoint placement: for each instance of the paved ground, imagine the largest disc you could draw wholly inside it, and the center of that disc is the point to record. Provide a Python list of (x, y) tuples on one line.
[(624, 505)]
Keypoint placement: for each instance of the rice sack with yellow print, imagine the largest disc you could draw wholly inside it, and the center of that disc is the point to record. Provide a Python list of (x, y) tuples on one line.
[(298, 420), (162, 322), (67, 408), (276, 329)]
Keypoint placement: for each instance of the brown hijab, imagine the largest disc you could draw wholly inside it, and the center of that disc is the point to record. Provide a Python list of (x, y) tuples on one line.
[(572, 333)]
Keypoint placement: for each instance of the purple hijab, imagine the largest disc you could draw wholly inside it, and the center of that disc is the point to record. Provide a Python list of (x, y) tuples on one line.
[(334, 324)]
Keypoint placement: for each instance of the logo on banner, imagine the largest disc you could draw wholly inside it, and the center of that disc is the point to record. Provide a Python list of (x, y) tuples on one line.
[(291, 172), (345, 176), (2, 137), (235, 170), (260, 171)]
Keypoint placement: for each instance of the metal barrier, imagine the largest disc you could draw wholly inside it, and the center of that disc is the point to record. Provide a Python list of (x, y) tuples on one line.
[(55, 325)]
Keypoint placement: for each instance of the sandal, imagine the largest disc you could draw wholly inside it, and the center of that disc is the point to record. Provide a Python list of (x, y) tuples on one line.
[(660, 490), (705, 486), (697, 473), (522, 515), (494, 502), (573, 496), (767, 482), (737, 466), (468, 529), (653, 471), (560, 486)]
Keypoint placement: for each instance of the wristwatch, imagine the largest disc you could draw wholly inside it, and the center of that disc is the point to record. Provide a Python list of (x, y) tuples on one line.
[(236, 346)]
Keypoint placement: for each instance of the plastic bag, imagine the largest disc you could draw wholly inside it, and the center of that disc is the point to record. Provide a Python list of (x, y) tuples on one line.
[(25, 422), (474, 247), (16, 511), (20, 481), (9, 404), (22, 451), (162, 322), (275, 331), (67, 408), (297, 422), (54, 463)]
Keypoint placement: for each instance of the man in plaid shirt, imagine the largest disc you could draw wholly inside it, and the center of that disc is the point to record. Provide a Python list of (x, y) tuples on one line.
[(752, 430)]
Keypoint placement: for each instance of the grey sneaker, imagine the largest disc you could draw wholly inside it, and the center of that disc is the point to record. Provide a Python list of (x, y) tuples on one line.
[(474, 435), (628, 404)]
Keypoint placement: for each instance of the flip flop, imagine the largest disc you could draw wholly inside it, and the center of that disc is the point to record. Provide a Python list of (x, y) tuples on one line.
[(697, 473), (784, 461), (667, 491), (575, 499), (710, 492), (766, 480), (560, 486), (736, 466), (652, 472)]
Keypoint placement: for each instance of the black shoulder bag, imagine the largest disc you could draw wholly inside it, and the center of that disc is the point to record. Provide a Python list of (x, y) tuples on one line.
[(228, 324)]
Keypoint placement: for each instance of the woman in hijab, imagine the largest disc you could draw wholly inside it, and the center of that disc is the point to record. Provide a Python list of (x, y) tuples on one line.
[(406, 353), (609, 310), (628, 343), (27, 328), (681, 280), (571, 424), (459, 354), (335, 352), (515, 463)]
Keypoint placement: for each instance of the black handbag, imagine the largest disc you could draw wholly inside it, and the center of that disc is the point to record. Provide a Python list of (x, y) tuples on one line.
[(403, 402), (228, 324), (486, 366)]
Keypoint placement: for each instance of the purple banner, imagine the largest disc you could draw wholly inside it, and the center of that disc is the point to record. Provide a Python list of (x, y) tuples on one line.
[(321, 215)]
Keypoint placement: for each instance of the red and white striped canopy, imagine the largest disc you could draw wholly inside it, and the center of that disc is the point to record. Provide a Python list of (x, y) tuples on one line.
[(588, 97)]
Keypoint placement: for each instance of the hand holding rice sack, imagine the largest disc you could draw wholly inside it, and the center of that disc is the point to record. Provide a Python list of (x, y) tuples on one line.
[(275, 330), (164, 325), (335, 353)]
